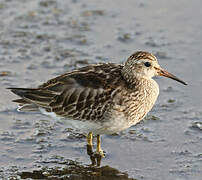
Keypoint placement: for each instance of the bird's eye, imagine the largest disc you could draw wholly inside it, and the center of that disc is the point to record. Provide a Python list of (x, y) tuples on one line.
[(147, 64)]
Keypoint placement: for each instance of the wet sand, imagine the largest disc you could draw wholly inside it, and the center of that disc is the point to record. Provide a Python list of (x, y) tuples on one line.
[(42, 39)]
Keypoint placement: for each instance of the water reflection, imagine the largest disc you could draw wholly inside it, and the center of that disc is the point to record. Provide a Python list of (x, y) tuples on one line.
[(74, 170)]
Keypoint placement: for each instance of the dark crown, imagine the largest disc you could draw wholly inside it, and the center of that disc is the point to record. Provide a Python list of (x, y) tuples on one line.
[(142, 55)]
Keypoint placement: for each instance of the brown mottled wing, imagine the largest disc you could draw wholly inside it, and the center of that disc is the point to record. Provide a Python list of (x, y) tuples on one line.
[(84, 94)]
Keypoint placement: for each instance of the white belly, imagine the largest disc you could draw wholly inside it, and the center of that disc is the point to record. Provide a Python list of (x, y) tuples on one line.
[(115, 124)]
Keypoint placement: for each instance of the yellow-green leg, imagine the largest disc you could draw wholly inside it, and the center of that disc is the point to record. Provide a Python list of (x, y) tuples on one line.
[(98, 148), (90, 148), (90, 139), (99, 152)]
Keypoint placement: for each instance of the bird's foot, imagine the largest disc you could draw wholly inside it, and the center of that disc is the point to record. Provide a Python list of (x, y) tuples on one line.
[(97, 157), (99, 153)]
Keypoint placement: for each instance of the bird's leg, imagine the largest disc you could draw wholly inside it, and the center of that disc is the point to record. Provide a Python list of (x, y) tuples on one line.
[(94, 156), (90, 148), (98, 148), (99, 154), (90, 139)]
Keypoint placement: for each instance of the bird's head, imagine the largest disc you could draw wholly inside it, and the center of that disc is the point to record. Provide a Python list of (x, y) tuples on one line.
[(145, 65)]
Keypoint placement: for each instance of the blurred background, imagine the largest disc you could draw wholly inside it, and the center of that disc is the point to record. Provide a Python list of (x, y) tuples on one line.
[(40, 39)]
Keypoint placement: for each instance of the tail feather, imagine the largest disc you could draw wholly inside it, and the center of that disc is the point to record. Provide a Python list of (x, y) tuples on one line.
[(20, 91), (21, 101), (32, 98), (28, 108)]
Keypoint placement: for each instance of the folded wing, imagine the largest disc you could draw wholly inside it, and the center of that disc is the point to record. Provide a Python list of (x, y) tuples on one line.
[(84, 94)]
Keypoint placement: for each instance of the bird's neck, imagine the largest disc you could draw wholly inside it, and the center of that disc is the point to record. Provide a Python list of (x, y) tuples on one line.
[(128, 75), (143, 94), (134, 79)]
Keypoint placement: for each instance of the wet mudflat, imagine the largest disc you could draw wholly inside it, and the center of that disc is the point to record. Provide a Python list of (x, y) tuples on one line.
[(40, 39)]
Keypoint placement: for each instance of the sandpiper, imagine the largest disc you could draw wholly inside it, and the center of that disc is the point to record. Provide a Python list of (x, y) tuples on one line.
[(99, 99)]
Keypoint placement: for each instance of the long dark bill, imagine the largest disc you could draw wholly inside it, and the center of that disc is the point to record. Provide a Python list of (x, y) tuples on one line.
[(165, 73)]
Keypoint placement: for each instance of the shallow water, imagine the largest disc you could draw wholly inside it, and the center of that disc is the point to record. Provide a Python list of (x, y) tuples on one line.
[(42, 39)]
